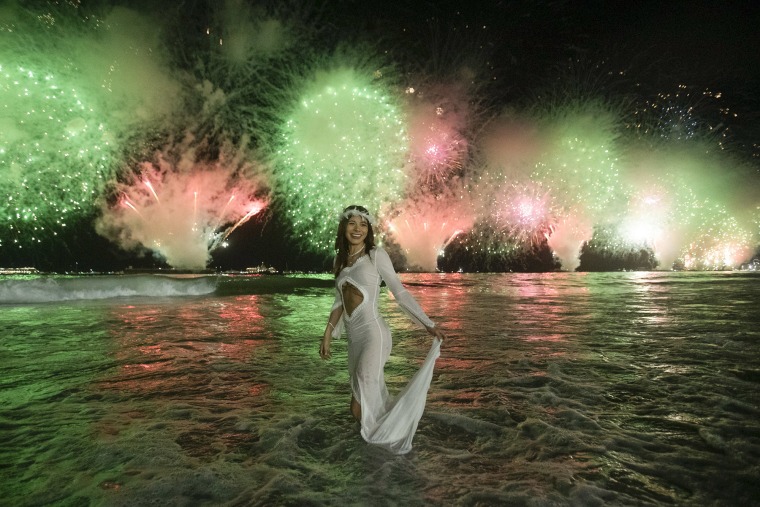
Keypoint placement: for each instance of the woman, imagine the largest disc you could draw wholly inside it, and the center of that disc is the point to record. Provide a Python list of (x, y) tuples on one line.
[(359, 268)]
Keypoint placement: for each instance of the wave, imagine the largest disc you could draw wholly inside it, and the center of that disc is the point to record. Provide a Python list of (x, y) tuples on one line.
[(46, 289), (52, 288)]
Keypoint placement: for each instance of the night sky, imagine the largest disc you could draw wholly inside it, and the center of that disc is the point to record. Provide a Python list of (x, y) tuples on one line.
[(519, 52)]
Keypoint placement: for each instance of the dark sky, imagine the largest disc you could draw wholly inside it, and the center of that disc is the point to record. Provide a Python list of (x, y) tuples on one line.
[(696, 41), (701, 43)]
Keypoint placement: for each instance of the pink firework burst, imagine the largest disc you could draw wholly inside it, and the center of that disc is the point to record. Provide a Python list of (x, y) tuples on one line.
[(181, 215), (425, 224), (523, 212), (438, 145)]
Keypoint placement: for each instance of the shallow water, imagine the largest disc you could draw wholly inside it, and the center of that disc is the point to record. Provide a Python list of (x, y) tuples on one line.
[(552, 389)]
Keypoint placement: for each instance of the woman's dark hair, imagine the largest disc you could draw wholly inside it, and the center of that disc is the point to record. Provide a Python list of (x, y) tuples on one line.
[(341, 243)]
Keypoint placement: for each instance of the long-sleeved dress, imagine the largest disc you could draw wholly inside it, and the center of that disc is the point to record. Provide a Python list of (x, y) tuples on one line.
[(385, 421)]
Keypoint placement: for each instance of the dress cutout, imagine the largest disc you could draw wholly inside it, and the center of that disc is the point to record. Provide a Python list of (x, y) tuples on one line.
[(388, 422)]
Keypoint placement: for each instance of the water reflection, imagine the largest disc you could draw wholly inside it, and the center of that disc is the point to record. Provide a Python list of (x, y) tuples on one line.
[(549, 309), (645, 387), (651, 298), (228, 329), (154, 342), (452, 301)]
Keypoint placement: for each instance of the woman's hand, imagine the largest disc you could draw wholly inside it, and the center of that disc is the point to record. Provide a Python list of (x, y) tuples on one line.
[(324, 347), (436, 331)]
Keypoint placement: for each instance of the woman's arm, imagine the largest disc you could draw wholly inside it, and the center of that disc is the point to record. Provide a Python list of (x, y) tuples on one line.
[(403, 297), (333, 326)]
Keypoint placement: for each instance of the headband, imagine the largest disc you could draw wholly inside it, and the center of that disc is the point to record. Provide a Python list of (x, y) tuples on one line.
[(355, 212)]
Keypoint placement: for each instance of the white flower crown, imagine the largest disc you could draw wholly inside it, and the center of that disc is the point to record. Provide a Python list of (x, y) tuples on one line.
[(355, 212)]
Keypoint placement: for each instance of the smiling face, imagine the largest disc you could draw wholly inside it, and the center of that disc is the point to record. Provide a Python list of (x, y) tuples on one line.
[(356, 232)]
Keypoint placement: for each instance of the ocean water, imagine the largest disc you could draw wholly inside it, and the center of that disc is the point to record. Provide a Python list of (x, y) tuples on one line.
[(551, 389)]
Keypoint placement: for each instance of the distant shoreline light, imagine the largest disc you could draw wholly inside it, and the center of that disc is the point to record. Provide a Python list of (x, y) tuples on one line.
[(19, 271)]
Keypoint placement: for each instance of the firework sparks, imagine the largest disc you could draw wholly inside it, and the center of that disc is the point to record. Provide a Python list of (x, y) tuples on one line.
[(345, 141)]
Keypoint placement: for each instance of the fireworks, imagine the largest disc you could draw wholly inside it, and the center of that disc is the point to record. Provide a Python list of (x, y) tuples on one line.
[(716, 239), (581, 161), (567, 238), (425, 224), (648, 221), (437, 135), (523, 212), (55, 155), (249, 60), (72, 90), (182, 211), (83, 94), (344, 142), (685, 113)]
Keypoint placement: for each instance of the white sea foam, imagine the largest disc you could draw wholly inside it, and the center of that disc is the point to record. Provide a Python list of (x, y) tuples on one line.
[(52, 288)]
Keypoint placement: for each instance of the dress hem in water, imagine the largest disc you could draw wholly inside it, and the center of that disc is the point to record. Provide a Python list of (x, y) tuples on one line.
[(395, 430)]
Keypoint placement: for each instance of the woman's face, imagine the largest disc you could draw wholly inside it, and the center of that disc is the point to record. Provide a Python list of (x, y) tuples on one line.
[(356, 231)]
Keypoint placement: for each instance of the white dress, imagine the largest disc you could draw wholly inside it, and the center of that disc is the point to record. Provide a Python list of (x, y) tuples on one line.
[(388, 422)]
